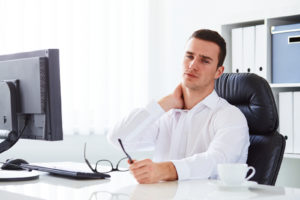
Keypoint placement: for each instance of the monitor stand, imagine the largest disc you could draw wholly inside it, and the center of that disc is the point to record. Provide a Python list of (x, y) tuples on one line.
[(8, 114), (9, 129)]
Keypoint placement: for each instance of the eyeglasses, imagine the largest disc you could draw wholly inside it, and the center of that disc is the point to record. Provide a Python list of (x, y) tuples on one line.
[(106, 166)]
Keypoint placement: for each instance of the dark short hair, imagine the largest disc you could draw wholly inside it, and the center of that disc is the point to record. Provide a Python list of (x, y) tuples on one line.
[(215, 37)]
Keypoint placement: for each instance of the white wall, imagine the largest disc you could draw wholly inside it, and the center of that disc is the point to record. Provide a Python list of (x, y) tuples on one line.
[(176, 20)]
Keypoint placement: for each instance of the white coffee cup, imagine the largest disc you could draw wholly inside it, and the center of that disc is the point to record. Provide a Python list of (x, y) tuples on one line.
[(234, 173)]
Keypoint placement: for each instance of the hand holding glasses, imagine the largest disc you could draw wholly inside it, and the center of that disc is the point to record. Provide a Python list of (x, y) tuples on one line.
[(106, 166)]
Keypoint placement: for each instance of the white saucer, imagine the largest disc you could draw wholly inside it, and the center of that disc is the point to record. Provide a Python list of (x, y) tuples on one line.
[(14, 175), (245, 185), (228, 194)]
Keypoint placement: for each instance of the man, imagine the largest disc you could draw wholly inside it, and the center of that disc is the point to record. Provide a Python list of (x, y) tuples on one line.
[(191, 130)]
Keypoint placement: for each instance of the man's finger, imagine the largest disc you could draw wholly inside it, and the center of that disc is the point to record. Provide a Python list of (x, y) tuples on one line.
[(141, 175), (178, 90), (133, 161), (138, 164), (143, 180), (140, 171)]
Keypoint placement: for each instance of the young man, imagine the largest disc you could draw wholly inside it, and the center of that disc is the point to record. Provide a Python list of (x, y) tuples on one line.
[(191, 130)]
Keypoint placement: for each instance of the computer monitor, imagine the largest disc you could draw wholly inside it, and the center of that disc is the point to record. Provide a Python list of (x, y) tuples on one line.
[(30, 97)]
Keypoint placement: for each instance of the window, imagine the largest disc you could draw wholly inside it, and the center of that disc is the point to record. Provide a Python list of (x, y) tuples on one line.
[(103, 53)]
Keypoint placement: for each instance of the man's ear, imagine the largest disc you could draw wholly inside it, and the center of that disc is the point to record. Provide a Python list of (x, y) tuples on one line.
[(219, 72)]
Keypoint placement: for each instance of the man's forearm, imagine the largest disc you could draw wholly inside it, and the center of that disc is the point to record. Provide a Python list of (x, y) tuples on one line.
[(168, 171), (139, 123)]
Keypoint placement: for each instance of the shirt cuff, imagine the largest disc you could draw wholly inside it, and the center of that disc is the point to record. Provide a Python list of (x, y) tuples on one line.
[(183, 171), (154, 108)]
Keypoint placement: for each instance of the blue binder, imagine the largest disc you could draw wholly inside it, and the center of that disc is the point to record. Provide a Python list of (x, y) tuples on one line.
[(286, 53)]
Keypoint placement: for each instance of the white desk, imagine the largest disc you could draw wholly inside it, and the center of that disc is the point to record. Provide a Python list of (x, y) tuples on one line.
[(122, 185)]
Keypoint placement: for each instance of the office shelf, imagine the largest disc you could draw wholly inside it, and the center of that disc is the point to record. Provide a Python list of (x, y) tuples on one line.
[(284, 85), (267, 23), (292, 155), (226, 31)]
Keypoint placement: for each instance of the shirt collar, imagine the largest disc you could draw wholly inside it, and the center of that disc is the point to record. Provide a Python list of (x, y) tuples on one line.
[(209, 101)]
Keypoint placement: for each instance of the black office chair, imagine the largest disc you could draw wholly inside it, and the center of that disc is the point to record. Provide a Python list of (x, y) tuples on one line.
[(253, 96)]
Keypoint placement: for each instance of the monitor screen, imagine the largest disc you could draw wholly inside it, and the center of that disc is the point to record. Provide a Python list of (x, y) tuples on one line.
[(31, 83)]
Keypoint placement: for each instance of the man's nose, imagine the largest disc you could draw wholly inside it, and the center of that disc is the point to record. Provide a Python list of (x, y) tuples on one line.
[(193, 64)]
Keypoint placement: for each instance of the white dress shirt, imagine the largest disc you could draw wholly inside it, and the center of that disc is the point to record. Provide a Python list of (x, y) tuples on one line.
[(195, 140)]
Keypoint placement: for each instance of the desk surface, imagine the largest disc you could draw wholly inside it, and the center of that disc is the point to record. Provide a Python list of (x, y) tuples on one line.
[(122, 185)]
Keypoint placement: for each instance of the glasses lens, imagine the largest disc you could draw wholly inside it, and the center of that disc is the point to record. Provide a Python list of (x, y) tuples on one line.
[(104, 166), (123, 165)]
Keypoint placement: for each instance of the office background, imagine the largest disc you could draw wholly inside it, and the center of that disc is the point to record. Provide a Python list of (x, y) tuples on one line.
[(116, 55)]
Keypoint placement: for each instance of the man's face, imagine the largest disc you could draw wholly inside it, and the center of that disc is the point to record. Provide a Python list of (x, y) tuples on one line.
[(200, 64)]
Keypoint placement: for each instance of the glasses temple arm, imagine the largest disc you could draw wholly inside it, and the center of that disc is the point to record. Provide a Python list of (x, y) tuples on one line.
[(128, 156)]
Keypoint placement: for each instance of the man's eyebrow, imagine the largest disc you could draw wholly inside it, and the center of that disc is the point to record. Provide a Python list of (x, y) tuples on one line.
[(202, 56), (206, 57)]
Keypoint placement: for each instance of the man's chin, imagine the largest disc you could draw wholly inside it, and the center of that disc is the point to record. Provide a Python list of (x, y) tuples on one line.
[(187, 84)]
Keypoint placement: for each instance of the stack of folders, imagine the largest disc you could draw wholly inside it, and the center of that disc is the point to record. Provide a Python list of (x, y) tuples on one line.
[(289, 120), (249, 50)]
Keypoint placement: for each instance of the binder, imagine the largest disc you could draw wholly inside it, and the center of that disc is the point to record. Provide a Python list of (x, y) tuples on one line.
[(286, 119), (249, 49), (285, 53), (296, 122), (237, 50), (260, 51)]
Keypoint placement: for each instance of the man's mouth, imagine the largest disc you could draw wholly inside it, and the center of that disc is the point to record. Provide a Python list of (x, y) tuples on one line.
[(190, 75)]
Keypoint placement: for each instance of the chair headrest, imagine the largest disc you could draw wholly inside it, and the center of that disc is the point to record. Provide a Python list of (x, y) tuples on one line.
[(253, 96)]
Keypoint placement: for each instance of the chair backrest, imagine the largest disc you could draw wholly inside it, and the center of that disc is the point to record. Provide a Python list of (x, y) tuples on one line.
[(253, 96)]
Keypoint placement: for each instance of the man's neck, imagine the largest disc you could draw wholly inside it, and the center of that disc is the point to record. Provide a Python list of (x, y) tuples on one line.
[(193, 97)]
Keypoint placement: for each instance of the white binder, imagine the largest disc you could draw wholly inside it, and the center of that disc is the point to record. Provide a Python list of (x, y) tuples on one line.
[(260, 51), (249, 49), (296, 122), (237, 49), (286, 119)]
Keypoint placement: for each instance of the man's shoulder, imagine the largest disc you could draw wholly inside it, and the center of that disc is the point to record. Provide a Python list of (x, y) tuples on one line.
[(225, 104), (227, 109)]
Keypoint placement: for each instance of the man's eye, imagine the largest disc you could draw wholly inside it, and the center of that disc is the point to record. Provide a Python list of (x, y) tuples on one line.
[(205, 61), (189, 57)]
